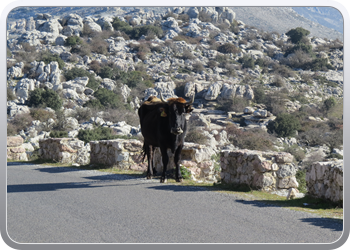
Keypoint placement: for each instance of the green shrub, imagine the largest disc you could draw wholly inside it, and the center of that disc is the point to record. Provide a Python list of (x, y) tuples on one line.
[(247, 62), (73, 40), (121, 26), (108, 98), (284, 125), (297, 34), (44, 98), (136, 32), (259, 95), (59, 134), (93, 103), (301, 179), (47, 57), (318, 64), (79, 72), (307, 48), (186, 174), (329, 103), (96, 134), (145, 30)]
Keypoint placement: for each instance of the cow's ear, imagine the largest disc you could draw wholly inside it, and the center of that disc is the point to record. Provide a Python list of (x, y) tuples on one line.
[(188, 109), (162, 112)]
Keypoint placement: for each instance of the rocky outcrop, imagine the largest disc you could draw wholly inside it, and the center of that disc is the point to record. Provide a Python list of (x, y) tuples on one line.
[(325, 180)]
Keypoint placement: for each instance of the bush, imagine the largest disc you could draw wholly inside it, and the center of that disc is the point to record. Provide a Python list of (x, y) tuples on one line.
[(284, 125), (136, 32), (41, 114), (99, 45), (121, 26), (297, 34), (236, 104), (278, 81), (301, 179), (59, 134), (307, 48), (254, 139), (82, 114), (96, 134), (73, 40), (299, 59), (198, 67), (18, 123), (47, 57), (146, 30), (185, 173), (187, 55), (93, 103), (247, 62), (282, 70), (194, 134), (318, 64), (44, 98), (296, 151), (228, 48), (259, 95), (79, 72), (329, 103), (108, 98)]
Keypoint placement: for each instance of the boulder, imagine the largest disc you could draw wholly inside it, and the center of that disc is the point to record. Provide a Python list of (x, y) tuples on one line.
[(171, 25), (193, 12), (23, 87), (14, 141), (213, 91), (90, 23)]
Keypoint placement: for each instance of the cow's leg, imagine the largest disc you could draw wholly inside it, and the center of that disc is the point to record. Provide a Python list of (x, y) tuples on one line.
[(153, 167), (165, 159), (178, 176), (150, 159)]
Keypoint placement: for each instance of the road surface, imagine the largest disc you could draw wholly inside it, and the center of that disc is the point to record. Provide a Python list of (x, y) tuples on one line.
[(48, 204)]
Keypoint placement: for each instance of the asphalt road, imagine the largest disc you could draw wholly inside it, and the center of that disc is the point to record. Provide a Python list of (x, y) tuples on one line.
[(65, 205)]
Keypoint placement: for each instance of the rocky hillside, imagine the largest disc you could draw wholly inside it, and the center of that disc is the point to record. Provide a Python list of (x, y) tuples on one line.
[(321, 22), (84, 76)]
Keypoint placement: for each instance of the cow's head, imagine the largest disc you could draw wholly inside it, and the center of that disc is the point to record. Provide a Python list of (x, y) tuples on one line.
[(175, 111)]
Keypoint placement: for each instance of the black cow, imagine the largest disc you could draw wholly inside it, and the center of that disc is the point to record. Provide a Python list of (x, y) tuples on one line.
[(163, 125)]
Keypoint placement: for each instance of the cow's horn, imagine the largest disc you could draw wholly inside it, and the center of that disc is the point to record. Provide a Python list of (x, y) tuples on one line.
[(191, 101), (161, 97)]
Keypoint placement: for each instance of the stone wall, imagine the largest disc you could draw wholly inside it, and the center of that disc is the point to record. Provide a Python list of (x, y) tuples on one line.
[(64, 150), (325, 180), (15, 149), (120, 153), (268, 171), (195, 157), (127, 154)]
